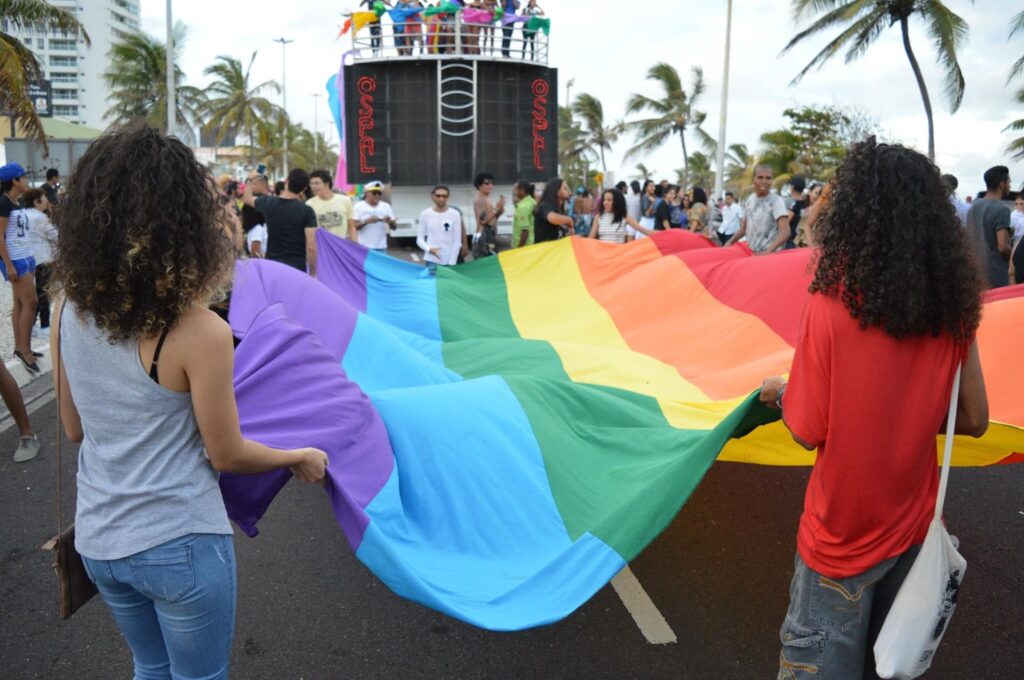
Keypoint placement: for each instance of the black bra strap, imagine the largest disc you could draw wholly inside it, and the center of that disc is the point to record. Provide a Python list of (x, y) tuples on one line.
[(156, 356)]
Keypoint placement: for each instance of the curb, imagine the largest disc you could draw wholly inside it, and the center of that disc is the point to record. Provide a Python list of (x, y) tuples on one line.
[(22, 375)]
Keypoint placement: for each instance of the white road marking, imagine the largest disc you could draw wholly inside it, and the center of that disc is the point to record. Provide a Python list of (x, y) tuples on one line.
[(640, 606), (31, 407), (415, 257)]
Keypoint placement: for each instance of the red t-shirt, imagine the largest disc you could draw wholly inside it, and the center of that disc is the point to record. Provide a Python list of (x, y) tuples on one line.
[(873, 406)]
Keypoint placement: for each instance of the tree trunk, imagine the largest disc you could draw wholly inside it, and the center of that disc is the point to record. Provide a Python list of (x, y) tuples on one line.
[(604, 168), (905, 30), (686, 157), (252, 149)]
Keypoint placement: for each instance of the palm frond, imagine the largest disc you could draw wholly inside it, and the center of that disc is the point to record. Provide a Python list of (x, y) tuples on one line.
[(833, 17), (948, 32), (668, 77), (861, 27), (648, 143), (697, 89), (1016, 26), (39, 17), (18, 67), (639, 102)]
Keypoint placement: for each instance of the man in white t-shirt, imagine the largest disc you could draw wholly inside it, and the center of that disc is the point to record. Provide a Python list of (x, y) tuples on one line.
[(333, 211), (732, 214), (765, 220), (372, 218), (440, 231)]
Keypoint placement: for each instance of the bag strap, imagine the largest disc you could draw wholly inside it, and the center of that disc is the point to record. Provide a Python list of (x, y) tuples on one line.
[(947, 454), (60, 425)]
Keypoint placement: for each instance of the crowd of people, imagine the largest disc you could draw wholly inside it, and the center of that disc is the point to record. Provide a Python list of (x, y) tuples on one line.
[(448, 26), (895, 304)]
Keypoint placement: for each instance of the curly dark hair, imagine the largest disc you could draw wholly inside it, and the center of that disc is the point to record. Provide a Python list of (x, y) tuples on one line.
[(142, 235), (892, 248)]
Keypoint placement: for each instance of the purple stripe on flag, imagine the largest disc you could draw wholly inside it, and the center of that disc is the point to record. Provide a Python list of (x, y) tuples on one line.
[(331, 315), (292, 392), (342, 268)]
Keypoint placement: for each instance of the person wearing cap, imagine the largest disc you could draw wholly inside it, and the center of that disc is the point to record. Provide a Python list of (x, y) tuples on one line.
[(16, 261), (371, 219), (12, 185)]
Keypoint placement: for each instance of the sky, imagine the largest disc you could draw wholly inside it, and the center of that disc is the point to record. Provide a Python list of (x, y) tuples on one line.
[(608, 51)]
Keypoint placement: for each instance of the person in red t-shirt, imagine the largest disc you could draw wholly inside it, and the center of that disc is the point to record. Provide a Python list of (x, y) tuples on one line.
[(894, 306)]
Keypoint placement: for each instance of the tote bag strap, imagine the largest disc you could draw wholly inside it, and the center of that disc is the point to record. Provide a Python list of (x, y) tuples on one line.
[(58, 355), (947, 454)]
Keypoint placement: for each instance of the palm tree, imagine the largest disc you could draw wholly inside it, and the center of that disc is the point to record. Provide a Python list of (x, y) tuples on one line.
[(1016, 26), (673, 114), (1016, 147), (782, 152), (302, 152), (18, 66), (138, 82), (233, 104), (862, 21), (591, 113), (700, 172), (642, 172), (573, 147)]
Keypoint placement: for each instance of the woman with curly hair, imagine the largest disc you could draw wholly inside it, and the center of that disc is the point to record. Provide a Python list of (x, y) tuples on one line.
[(144, 373), (895, 302)]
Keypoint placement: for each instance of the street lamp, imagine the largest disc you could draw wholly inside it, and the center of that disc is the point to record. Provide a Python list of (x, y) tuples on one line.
[(284, 97), (568, 89), (172, 104), (720, 156)]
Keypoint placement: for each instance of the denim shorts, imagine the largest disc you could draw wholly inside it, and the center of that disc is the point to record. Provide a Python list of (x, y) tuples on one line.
[(26, 265), (174, 604), (830, 628)]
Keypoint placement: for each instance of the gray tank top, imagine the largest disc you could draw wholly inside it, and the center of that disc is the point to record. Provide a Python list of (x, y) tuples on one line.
[(143, 476)]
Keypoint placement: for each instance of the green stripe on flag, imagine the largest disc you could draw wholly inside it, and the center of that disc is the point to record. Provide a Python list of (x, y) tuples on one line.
[(479, 335)]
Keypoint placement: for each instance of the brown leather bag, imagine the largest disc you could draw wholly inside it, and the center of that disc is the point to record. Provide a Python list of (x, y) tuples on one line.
[(74, 585)]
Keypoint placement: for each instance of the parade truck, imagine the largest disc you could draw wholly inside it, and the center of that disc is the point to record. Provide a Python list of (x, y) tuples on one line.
[(437, 101)]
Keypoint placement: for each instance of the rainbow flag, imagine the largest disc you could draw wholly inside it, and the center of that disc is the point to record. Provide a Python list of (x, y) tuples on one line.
[(506, 436), (358, 21)]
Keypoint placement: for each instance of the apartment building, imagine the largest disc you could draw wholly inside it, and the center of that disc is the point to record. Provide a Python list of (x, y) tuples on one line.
[(76, 69)]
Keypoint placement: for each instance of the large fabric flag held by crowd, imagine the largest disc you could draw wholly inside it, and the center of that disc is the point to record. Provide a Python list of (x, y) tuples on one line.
[(505, 437)]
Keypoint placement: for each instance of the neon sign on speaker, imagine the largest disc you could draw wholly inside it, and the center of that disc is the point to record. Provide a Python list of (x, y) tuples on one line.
[(540, 121), (366, 86)]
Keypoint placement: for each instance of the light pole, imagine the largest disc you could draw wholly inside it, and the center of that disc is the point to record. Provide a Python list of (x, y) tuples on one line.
[(316, 128), (284, 97), (720, 156), (172, 104), (568, 91)]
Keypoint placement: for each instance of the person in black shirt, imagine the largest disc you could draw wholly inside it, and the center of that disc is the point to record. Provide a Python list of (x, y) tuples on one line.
[(52, 187), (795, 205), (663, 213), (549, 219), (291, 224)]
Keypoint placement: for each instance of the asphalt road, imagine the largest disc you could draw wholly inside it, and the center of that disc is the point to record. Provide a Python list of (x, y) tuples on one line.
[(308, 609)]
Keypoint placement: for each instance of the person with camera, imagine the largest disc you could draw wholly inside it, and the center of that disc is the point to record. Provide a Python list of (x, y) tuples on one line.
[(440, 232)]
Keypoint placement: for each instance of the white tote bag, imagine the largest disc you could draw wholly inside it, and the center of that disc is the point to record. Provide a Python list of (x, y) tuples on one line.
[(921, 611)]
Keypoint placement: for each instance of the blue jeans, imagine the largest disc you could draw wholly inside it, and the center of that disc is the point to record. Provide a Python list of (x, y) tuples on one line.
[(830, 628), (175, 605)]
